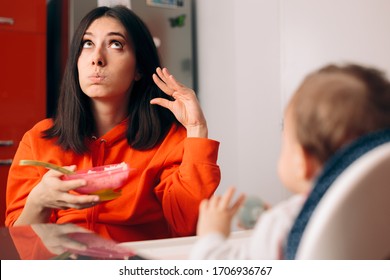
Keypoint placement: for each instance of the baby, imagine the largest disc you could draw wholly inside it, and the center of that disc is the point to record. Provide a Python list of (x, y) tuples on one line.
[(332, 108)]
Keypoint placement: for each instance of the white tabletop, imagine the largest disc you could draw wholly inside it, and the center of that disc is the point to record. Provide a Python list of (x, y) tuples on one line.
[(175, 248)]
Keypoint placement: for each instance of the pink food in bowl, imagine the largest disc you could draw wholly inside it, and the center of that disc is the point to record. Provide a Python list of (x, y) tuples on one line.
[(103, 177)]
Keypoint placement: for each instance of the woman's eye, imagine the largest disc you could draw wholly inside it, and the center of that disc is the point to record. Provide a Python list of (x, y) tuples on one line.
[(116, 45), (87, 44)]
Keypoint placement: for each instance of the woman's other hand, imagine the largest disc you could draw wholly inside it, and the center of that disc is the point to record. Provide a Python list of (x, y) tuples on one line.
[(185, 105), (216, 213), (53, 193)]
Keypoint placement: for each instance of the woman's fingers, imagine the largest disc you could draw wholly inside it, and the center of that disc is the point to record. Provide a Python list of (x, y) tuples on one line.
[(162, 102), (72, 185), (56, 193), (165, 81), (170, 79), (77, 201), (162, 85), (63, 205), (165, 76)]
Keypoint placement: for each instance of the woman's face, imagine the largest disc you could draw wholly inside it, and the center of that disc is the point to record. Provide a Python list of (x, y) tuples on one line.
[(107, 63)]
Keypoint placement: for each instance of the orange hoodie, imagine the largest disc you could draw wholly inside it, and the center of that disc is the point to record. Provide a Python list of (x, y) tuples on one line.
[(159, 200)]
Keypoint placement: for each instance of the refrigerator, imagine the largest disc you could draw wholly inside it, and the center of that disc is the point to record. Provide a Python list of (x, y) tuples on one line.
[(171, 23)]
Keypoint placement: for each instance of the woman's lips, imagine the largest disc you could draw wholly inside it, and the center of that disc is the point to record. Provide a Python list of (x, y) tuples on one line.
[(96, 78)]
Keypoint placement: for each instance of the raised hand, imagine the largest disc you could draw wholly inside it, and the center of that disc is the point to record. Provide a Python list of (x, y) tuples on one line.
[(216, 213), (185, 106)]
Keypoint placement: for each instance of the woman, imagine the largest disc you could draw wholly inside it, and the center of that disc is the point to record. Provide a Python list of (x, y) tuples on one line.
[(113, 108)]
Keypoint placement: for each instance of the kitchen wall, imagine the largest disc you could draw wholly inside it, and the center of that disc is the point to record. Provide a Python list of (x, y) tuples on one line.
[(252, 54), (239, 89)]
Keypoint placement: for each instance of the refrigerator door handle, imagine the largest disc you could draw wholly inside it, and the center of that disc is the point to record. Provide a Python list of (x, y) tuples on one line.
[(5, 143), (5, 20), (5, 162)]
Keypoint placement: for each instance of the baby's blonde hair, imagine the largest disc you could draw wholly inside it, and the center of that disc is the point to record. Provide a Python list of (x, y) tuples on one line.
[(338, 104)]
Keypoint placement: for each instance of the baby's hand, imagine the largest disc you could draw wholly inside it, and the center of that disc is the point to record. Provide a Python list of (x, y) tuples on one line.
[(216, 214)]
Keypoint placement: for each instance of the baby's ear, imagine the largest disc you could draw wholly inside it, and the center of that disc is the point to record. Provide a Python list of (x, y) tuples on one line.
[(311, 165)]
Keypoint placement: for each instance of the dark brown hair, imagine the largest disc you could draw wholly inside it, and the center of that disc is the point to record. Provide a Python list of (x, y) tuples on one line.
[(338, 104), (148, 124)]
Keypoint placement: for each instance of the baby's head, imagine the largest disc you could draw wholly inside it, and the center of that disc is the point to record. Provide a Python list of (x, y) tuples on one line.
[(332, 107)]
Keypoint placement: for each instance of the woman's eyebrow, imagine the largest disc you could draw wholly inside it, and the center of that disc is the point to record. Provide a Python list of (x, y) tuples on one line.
[(116, 34), (109, 34)]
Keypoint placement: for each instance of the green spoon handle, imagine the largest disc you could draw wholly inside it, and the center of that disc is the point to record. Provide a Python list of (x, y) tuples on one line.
[(45, 164)]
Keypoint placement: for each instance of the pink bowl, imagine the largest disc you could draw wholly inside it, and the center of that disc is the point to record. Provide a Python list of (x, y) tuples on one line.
[(98, 178)]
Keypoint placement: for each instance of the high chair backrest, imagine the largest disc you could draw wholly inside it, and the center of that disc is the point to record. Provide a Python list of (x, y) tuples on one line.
[(347, 214)]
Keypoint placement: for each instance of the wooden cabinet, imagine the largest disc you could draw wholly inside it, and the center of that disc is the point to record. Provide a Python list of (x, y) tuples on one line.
[(22, 77)]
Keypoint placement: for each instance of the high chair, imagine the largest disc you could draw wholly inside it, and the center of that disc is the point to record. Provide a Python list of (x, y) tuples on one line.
[(347, 214)]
